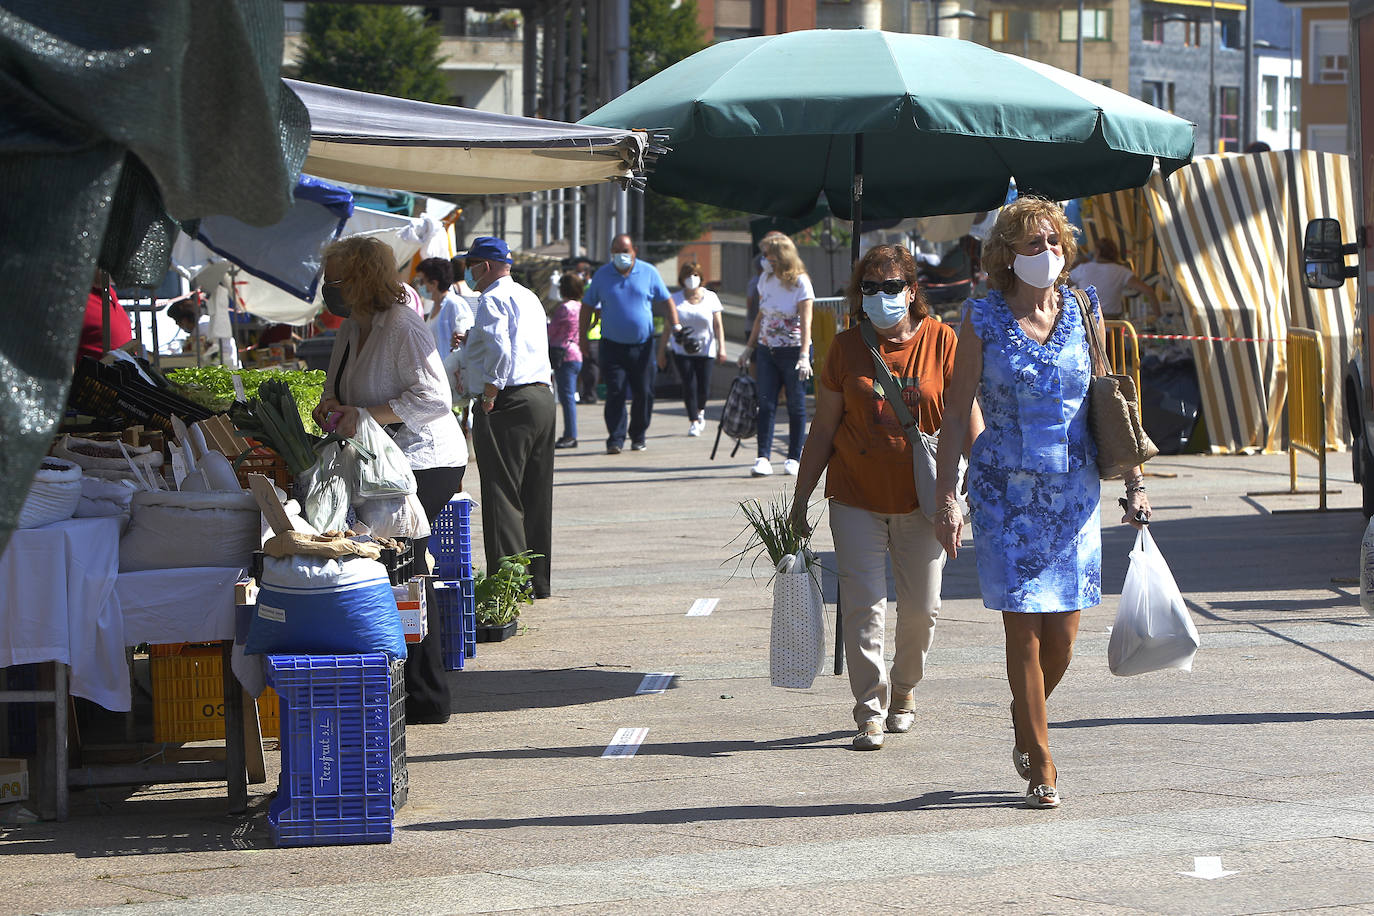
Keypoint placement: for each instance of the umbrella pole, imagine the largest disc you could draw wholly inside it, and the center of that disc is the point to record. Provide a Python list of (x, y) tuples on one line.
[(856, 198)]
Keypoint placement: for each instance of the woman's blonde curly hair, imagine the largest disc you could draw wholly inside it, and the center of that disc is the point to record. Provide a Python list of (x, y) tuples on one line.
[(788, 266), (1018, 221), (366, 269)]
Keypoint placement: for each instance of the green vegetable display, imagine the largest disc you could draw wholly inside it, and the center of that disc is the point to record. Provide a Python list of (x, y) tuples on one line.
[(212, 387), (274, 419)]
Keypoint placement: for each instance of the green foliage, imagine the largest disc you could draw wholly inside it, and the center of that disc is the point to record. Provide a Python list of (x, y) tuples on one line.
[(385, 49), (661, 34), (671, 219), (498, 596)]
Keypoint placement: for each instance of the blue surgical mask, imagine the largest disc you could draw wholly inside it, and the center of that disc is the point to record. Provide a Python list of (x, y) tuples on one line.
[(623, 260), (885, 311), (422, 288), (470, 279)]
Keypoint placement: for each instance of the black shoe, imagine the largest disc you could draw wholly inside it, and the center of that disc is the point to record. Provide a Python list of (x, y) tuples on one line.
[(426, 717), (612, 449), (566, 442), (638, 446)]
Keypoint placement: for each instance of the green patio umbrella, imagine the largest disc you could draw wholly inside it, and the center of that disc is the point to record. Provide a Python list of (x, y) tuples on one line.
[(888, 126)]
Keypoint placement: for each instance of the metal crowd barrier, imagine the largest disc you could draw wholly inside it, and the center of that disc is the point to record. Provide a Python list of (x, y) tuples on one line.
[(1306, 406), (1123, 350)]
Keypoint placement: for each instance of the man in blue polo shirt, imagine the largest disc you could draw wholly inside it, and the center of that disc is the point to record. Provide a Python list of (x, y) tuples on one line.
[(624, 292)]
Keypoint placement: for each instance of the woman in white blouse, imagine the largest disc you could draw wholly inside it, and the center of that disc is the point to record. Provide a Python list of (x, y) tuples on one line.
[(385, 362)]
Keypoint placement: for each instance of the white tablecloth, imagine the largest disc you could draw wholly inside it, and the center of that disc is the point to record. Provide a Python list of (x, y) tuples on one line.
[(57, 603), (62, 599)]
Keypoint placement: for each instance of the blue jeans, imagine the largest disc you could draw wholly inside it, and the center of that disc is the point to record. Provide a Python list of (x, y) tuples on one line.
[(566, 377), (627, 369), (777, 369)]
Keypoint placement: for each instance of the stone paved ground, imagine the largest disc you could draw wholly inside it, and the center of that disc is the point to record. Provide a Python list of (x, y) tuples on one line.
[(746, 799)]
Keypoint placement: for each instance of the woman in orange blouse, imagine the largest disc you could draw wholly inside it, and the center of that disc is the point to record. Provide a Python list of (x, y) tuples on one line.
[(874, 511)]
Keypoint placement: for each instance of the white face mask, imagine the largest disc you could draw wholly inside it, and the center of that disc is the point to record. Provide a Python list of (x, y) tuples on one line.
[(1039, 270), (691, 281)]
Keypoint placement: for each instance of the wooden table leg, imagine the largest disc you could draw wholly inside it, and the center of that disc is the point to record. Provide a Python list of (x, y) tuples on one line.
[(252, 742), (50, 764), (234, 762)]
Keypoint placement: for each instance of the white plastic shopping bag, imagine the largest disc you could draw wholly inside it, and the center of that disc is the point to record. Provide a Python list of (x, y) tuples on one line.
[(1153, 630), (386, 473), (797, 647)]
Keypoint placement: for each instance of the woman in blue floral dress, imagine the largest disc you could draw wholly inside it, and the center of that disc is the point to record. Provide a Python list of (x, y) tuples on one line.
[(1033, 481)]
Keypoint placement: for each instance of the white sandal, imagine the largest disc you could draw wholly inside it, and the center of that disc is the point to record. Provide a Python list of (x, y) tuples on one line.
[(1042, 797)]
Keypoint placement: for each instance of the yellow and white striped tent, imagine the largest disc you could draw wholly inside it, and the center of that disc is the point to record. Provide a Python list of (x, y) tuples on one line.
[(1224, 235)]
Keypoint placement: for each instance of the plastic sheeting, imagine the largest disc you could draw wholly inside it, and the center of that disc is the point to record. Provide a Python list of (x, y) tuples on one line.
[(118, 116), (285, 254)]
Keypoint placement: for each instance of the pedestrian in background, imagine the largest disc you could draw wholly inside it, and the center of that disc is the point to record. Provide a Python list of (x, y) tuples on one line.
[(625, 293), (1111, 278), (508, 357), (590, 375), (446, 312), (858, 441), (565, 355), (700, 342), (1033, 479), (782, 336)]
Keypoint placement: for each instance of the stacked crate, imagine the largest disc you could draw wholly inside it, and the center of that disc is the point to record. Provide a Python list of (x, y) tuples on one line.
[(400, 775), (188, 694), (450, 540), (336, 749)]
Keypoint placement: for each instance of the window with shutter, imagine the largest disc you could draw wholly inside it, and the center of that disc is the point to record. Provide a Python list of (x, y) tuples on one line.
[(1330, 46)]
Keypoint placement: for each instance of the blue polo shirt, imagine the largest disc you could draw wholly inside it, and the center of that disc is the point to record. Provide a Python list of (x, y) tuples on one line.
[(626, 301)]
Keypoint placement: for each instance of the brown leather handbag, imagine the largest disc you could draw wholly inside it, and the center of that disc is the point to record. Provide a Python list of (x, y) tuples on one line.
[(1113, 408)]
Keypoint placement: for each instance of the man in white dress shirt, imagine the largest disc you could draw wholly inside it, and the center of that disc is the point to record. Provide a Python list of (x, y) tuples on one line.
[(513, 427)]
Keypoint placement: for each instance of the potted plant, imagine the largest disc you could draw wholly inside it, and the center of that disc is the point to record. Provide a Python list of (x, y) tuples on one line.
[(498, 596)]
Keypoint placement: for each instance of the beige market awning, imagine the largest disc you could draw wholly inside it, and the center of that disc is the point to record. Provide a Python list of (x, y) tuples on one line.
[(386, 142)]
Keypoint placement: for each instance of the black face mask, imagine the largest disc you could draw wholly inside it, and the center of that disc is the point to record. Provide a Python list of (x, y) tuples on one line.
[(334, 301)]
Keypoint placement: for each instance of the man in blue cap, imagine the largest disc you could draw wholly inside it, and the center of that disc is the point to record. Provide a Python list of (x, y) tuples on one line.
[(513, 424), (624, 293)]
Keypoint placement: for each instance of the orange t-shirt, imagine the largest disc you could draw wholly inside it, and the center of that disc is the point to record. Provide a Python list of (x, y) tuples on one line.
[(870, 467)]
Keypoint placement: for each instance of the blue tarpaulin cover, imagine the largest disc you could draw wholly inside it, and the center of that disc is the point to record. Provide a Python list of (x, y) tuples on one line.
[(285, 254)]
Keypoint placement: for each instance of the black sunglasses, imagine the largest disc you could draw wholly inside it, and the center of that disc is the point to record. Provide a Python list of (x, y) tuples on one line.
[(890, 287)]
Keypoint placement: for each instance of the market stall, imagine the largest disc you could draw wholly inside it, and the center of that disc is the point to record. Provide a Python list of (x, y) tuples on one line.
[(1236, 293), (152, 539)]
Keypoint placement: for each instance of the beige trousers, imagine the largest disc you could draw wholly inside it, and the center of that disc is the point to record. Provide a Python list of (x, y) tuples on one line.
[(863, 541)]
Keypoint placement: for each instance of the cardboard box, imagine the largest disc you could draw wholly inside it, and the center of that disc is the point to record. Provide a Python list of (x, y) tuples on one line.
[(410, 602), (14, 780)]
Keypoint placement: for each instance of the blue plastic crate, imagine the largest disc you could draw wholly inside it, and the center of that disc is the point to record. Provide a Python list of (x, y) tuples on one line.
[(450, 540), (457, 621), (336, 749)]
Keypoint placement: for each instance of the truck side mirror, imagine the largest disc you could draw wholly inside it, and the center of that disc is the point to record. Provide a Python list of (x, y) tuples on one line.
[(1325, 274), (1323, 254), (1322, 241)]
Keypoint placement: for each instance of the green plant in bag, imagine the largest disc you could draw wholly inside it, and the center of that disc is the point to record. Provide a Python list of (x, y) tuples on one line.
[(770, 533), (498, 595)]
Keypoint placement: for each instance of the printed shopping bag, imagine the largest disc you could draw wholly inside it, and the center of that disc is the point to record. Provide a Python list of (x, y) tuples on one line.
[(1153, 630), (797, 645)]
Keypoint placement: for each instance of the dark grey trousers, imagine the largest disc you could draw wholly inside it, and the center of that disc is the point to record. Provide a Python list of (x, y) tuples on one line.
[(514, 447)]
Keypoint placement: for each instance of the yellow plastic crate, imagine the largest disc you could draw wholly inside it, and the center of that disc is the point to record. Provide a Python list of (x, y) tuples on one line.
[(188, 700)]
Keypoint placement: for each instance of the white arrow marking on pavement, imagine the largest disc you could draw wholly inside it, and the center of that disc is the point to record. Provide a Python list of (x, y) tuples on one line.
[(626, 742), (702, 607), (1207, 867), (655, 683)]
